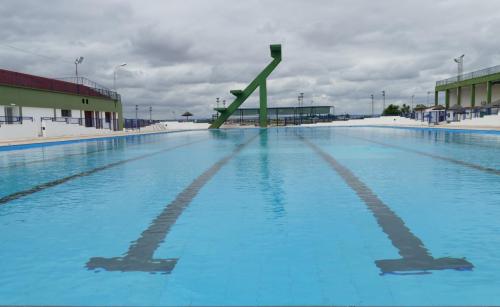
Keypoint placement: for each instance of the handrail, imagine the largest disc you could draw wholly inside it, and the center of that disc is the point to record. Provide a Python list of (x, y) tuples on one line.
[(15, 119), (72, 85), (470, 75), (67, 120), (93, 85)]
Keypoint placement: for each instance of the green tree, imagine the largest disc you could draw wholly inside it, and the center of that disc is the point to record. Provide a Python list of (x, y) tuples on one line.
[(392, 110), (405, 110)]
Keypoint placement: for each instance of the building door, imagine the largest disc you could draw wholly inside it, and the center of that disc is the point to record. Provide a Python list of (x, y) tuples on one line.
[(12, 114), (107, 119), (9, 114), (115, 122), (98, 122), (88, 119)]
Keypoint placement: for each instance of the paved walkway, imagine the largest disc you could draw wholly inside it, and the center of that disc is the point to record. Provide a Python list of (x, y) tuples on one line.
[(42, 140)]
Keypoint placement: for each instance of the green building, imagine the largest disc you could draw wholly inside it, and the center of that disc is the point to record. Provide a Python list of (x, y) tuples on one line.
[(472, 90), (75, 104)]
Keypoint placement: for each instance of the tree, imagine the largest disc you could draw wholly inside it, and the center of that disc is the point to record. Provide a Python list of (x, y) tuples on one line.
[(187, 114), (392, 109), (405, 110)]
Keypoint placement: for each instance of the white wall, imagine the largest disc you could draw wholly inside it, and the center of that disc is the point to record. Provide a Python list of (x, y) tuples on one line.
[(480, 93), (55, 129), (33, 129), (26, 130), (465, 96), (495, 94)]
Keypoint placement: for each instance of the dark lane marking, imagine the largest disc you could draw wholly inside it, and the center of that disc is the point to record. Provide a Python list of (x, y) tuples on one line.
[(415, 256), (478, 167), (139, 257), (56, 182)]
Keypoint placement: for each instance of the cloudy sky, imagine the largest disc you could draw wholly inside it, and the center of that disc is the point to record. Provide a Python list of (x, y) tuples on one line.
[(181, 55)]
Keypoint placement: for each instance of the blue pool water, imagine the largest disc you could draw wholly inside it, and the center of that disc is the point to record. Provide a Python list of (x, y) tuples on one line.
[(291, 216)]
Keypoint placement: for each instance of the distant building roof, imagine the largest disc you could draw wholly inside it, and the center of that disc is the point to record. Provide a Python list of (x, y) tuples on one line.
[(317, 110), (77, 86)]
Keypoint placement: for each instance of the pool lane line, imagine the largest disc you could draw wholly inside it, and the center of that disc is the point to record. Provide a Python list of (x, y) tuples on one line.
[(139, 257), (478, 167), (6, 199), (415, 256)]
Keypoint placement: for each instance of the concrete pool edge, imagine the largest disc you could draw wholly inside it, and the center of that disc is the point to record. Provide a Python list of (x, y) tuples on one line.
[(27, 144)]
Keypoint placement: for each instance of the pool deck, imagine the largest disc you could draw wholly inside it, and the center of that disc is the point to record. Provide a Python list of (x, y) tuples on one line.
[(63, 139), (487, 124)]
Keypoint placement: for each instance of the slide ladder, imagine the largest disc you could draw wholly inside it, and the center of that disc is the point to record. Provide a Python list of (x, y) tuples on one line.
[(242, 95)]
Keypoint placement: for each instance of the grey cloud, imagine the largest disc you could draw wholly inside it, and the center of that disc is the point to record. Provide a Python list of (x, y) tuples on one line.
[(183, 54)]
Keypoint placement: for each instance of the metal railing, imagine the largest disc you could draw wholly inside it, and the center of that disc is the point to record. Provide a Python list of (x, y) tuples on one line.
[(14, 119), (129, 123), (102, 90), (73, 85), (67, 120), (98, 123), (471, 75)]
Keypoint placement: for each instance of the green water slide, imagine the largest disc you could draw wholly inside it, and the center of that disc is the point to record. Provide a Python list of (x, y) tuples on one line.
[(242, 95)]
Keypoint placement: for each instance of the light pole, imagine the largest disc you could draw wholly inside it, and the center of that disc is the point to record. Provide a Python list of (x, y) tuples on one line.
[(383, 105), (301, 103), (428, 94), (150, 114), (372, 104), (77, 62), (114, 74), (136, 119), (412, 98), (460, 66), (217, 100)]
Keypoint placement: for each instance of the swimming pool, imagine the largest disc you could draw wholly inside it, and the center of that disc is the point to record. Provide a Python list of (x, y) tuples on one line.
[(289, 216)]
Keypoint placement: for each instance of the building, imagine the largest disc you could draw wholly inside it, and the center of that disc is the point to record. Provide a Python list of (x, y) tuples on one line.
[(33, 106), (281, 115), (476, 89), (431, 115)]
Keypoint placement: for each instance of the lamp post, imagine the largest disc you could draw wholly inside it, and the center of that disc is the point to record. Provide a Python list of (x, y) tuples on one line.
[(136, 119), (383, 97), (150, 114), (114, 74), (412, 98), (428, 94), (460, 66), (301, 103), (372, 105), (78, 61)]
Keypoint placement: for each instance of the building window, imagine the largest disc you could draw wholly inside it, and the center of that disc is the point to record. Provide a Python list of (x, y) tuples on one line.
[(66, 113)]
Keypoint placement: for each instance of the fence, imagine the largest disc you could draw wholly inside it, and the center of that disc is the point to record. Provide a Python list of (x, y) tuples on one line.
[(9, 120), (73, 85), (129, 123), (98, 123), (471, 75)]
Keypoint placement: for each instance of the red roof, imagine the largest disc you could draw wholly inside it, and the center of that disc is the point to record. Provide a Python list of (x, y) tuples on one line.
[(13, 78)]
